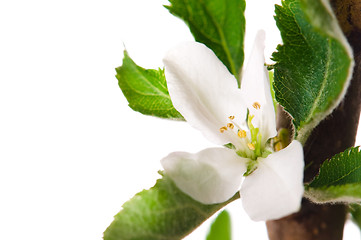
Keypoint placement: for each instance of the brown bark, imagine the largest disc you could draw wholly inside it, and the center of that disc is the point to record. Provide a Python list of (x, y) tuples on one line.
[(333, 135)]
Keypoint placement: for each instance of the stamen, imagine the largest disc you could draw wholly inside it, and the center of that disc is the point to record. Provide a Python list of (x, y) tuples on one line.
[(230, 125), (256, 105), (222, 129), (242, 134), (251, 146)]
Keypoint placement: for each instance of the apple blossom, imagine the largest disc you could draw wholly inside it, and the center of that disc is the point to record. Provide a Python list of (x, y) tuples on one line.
[(206, 94)]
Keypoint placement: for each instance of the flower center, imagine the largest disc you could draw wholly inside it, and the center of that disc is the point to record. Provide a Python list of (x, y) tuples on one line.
[(249, 136)]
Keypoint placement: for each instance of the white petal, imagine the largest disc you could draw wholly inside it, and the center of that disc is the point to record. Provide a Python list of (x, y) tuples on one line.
[(255, 87), (203, 90), (275, 189), (210, 176)]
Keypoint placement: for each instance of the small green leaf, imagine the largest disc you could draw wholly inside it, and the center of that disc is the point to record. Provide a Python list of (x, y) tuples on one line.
[(218, 24), (339, 179), (313, 66), (343, 168), (355, 210), (160, 213), (146, 90), (221, 227)]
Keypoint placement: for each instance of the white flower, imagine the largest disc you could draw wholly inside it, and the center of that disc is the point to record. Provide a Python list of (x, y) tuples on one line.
[(206, 94)]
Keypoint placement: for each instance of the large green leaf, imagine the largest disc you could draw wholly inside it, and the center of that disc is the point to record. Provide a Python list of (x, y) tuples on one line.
[(313, 66), (221, 227), (218, 24), (339, 179), (160, 213), (146, 90)]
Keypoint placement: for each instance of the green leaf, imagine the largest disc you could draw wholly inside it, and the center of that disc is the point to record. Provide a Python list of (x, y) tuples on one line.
[(355, 210), (146, 90), (339, 179), (221, 227), (218, 24), (313, 66), (161, 213)]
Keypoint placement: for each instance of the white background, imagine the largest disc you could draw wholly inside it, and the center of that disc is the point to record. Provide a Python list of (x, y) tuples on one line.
[(71, 150)]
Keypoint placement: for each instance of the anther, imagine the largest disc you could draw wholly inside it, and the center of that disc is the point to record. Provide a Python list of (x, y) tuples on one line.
[(222, 129), (230, 125), (251, 146), (242, 133), (231, 117), (256, 105)]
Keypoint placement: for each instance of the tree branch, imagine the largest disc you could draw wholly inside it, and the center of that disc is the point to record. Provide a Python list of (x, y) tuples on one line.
[(333, 135)]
